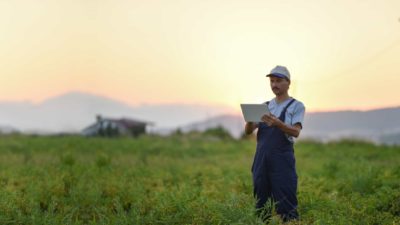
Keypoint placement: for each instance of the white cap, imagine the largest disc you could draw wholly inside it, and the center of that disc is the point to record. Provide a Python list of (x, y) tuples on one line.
[(280, 71)]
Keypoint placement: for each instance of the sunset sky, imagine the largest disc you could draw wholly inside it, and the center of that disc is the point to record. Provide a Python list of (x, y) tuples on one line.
[(341, 54)]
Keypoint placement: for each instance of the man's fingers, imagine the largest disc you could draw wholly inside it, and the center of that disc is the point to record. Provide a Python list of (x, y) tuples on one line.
[(267, 116), (268, 119)]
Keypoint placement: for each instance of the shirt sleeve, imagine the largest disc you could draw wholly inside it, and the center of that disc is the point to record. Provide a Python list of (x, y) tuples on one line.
[(298, 114)]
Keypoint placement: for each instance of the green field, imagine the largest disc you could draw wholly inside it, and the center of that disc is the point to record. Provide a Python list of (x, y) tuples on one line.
[(187, 179)]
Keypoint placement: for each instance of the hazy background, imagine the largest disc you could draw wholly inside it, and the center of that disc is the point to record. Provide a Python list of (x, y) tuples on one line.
[(177, 62)]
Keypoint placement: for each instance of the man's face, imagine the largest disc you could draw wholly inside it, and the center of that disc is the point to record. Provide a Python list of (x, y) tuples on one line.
[(279, 85)]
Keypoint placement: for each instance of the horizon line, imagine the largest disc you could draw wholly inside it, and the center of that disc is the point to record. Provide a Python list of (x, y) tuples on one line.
[(235, 110)]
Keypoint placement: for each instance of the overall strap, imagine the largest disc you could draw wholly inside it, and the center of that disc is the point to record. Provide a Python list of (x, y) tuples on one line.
[(287, 106)]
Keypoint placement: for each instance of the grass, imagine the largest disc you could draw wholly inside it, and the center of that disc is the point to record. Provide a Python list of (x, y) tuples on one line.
[(187, 179)]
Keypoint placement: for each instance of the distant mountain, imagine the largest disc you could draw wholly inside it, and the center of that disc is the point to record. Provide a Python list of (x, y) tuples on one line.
[(73, 111), (372, 125), (381, 125), (7, 130)]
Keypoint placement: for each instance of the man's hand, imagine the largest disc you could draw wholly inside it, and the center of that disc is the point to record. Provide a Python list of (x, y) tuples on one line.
[(250, 127), (271, 120)]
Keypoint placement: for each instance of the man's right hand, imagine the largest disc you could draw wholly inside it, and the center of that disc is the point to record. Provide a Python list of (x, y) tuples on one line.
[(250, 127)]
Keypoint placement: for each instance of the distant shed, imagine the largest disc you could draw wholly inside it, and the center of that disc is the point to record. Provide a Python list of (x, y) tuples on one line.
[(107, 127)]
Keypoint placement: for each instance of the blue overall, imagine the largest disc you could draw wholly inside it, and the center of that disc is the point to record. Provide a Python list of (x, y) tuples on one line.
[(274, 172)]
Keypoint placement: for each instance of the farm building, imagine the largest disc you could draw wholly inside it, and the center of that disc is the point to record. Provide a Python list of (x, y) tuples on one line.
[(108, 127)]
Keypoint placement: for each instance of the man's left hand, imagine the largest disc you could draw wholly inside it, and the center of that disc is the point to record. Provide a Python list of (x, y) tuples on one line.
[(271, 120)]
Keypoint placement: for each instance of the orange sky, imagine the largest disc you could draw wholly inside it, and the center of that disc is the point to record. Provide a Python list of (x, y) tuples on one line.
[(341, 54)]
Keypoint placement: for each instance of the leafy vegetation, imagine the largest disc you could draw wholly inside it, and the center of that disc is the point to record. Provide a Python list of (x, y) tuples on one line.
[(187, 179)]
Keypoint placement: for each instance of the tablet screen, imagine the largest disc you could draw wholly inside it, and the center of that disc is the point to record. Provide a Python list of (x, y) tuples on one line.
[(254, 112)]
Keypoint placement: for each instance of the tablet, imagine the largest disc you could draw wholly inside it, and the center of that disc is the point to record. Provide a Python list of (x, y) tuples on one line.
[(254, 112)]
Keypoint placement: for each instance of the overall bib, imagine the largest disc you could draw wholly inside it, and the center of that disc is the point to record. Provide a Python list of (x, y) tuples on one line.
[(274, 171)]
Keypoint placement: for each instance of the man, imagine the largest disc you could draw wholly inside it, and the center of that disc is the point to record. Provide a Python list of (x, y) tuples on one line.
[(274, 172)]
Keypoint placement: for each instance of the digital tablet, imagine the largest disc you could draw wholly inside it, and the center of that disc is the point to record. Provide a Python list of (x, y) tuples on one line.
[(254, 112)]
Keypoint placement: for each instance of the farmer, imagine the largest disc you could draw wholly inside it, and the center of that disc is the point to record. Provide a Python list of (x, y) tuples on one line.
[(274, 172)]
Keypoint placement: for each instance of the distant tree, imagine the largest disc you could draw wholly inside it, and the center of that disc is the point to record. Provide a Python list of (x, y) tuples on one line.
[(177, 132), (219, 132)]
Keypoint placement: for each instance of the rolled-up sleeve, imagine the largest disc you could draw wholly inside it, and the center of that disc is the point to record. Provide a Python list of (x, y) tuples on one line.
[(298, 114)]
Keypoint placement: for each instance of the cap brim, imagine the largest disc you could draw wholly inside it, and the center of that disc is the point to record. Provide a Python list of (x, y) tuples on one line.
[(276, 75)]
